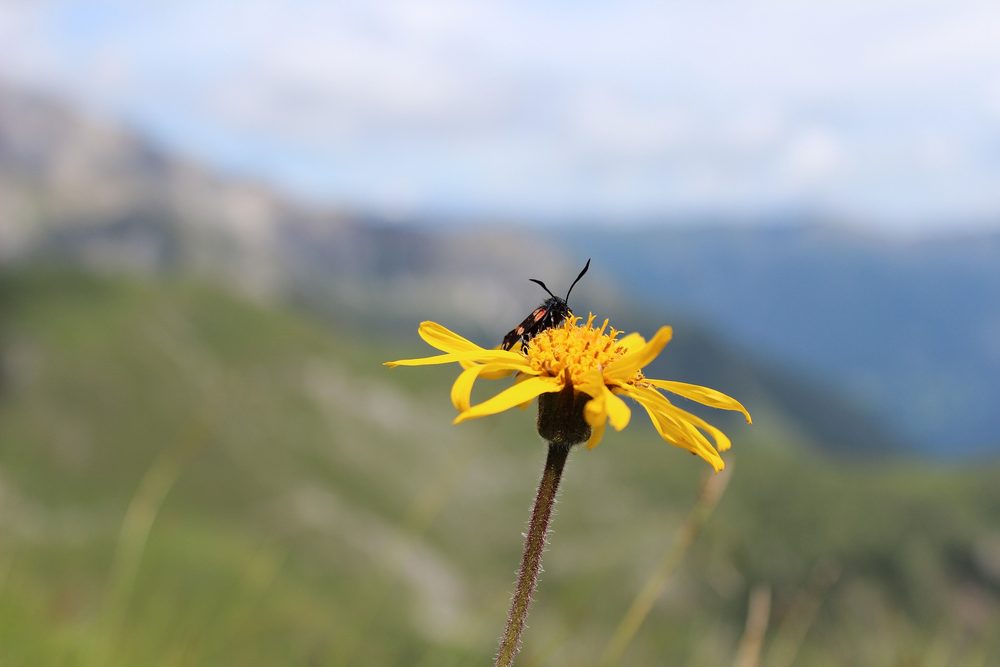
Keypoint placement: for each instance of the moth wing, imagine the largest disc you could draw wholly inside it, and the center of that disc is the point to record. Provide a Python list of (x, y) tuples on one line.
[(529, 323)]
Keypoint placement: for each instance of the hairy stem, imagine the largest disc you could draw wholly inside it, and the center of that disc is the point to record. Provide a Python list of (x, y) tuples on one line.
[(531, 561)]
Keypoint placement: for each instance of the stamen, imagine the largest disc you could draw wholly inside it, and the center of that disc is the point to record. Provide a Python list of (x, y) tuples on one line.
[(572, 351)]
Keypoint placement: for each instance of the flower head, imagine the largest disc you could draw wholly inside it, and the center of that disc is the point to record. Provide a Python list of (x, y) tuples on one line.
[(590, 360)]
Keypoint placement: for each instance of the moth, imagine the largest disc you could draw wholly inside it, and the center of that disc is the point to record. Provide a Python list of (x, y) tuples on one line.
[(550, 314)]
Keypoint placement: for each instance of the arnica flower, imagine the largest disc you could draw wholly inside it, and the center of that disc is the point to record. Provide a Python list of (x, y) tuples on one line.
[(589, 360)]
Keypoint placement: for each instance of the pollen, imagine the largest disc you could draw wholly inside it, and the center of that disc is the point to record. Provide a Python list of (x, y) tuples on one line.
[(573, 351)]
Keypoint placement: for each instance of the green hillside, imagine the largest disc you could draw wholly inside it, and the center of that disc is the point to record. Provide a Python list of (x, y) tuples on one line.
[(190, 479)]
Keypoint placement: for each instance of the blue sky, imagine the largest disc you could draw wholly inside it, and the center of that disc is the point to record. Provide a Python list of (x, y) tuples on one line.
[(883, 112)]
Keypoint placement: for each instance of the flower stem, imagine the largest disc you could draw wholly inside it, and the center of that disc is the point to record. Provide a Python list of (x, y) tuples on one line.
[(531, 561)]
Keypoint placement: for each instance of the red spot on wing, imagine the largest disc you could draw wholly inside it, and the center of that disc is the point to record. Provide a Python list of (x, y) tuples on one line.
[(538, 313)]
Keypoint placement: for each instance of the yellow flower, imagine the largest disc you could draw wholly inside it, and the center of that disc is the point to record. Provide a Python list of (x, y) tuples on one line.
[(593, 361)]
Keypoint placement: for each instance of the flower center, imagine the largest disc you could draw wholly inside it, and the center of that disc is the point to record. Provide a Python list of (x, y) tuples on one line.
[(574, 350)]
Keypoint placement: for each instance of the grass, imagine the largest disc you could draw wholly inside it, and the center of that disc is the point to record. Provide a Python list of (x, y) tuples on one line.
[(190, 479)]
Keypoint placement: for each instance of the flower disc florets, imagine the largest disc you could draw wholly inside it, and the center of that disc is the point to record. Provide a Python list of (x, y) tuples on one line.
[(574, 352)]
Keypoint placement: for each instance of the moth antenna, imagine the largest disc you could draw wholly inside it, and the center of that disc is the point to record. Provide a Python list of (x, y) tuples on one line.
[(586, 266), (536, 280)]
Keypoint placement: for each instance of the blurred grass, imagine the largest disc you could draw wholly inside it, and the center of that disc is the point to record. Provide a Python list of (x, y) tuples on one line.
[(324, 511)]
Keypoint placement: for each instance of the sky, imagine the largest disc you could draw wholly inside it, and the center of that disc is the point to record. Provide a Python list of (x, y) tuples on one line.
[(887, 113)]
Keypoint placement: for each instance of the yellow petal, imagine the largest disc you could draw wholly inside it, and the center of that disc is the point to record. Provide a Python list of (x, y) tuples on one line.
[(618, 413), (512, 396), (521, 377), (632, 342), (501, 373), (689, 423), (695, 441), (703, 395), (592, 384), (599, 411), (595, 411), (596, 434), (722, 442), (494, 357), (677, 432), (461, 391), (684, 435), (624, 368), (489, 375), (445, 339)]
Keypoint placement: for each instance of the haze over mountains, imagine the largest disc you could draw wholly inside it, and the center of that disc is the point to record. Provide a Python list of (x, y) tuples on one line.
[(907, 328), (910, 326), (83, 188)]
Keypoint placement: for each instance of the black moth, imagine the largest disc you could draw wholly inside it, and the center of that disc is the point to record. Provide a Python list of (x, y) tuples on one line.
[(549, 314)]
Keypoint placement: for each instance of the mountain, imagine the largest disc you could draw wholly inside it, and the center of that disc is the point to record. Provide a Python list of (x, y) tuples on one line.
[(907, 326), (74, 186), (188, 476), (83, 190)]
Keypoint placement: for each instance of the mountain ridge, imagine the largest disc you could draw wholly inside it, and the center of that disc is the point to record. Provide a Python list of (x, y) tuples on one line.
[(168, 215), (906, 325)]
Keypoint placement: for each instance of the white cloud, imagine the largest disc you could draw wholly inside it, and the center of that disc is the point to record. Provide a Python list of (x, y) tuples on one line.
[(813, 155), (518, 107)]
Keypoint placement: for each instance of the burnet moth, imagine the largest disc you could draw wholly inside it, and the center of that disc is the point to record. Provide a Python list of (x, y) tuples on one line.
[(550, 314)]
